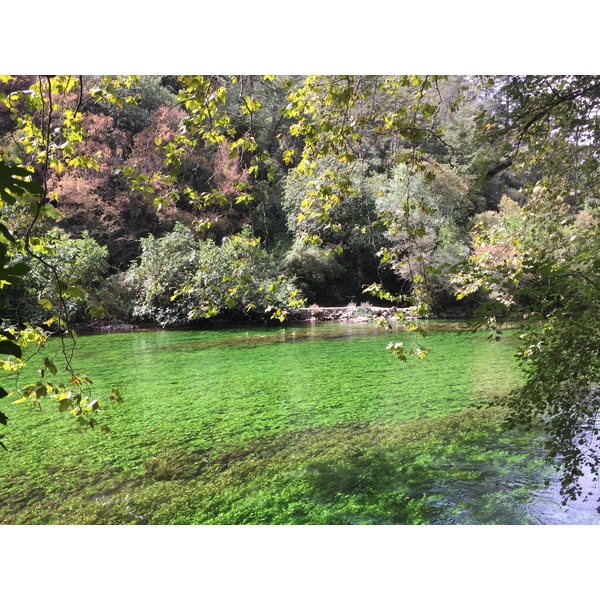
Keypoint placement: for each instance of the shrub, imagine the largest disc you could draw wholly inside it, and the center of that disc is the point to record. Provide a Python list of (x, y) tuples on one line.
[(77, 262), (180, 279)]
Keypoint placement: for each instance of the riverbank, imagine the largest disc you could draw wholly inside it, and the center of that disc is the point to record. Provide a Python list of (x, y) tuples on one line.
[(350, 313), (319, 314), (358, 314)]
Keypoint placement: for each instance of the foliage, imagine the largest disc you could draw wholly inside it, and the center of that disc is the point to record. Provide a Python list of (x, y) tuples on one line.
[(541, 263), (368, 140), (336, 116), (314, 268), (346, 228), (546, 127), (13, 185), (424, 239), (545, 271), (80, 265), (180, 279), (351, 119), (45, 144), (136, 103), (117, 298)]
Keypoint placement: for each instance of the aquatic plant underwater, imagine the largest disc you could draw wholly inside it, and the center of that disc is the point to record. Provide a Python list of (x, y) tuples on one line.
[(289, 425)]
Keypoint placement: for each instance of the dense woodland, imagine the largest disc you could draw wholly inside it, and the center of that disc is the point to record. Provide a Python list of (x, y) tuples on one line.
[(170, 201)]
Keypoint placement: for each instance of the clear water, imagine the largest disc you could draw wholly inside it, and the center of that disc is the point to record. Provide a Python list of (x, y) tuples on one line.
[(300, 424)]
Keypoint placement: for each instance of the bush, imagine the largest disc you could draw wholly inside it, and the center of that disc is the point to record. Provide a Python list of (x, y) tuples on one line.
[(77, 262), (149, 94), (117, 297), (180, 279)]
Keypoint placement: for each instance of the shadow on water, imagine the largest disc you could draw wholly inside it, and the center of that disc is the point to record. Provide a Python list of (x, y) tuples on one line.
[(442, 478), (415, 492)]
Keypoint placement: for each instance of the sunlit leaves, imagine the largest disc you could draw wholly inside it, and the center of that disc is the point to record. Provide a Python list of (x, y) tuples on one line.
[(336, 114), (48, 132), (111, 88), (250, 105), (346, 120)]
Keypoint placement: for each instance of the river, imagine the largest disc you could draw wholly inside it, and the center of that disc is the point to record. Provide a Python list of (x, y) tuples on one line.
[(291, 424)]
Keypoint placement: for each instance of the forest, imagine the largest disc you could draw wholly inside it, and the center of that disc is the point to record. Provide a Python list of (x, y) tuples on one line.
[(189, 202)]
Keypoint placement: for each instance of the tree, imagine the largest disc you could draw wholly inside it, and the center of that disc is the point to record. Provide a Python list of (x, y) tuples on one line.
[(80, 264), (12, 187), (56, 140), (425, 244), (59, 130), (345, 239), (49, 130), (541, 263)]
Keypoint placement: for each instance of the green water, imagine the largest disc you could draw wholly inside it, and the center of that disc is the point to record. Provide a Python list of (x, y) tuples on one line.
[(282, 425)]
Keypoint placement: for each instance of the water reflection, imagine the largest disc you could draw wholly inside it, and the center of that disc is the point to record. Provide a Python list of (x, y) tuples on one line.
[(547, 508)]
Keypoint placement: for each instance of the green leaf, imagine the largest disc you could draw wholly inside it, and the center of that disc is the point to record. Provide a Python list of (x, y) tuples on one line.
[(8, 347), (17, 270), (50, 365), (12, 188), (6, 233), (50, 211), (76, 291), (45, 303)]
